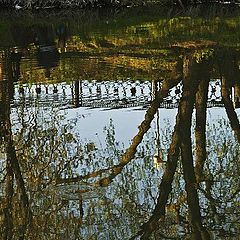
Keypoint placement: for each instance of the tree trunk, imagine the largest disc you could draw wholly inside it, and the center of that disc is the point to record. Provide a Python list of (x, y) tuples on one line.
[(228, 104), (190, 83), (200, 130)]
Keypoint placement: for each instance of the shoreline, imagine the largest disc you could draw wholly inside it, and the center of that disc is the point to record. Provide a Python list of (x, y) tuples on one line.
[(63, 5), (73, 4)]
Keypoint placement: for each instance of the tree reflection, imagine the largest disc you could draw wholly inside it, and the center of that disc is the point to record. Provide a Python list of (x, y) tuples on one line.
[(230, 74), (196, 76), (58, 186), (13, 171)]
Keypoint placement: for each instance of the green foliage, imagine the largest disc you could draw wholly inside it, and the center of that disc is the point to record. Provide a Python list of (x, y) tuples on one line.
[(203, 55)]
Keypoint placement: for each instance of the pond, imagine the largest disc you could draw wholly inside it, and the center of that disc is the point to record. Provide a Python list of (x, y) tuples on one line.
[(120, 124)]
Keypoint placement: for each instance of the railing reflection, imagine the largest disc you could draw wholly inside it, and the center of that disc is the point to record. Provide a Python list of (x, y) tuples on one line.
[(109, 94)]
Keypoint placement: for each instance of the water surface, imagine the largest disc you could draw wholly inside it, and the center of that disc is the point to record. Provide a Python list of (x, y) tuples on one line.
[(120, 125)]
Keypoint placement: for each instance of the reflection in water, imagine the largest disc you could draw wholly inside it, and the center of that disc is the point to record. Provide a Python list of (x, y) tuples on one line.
[(47, 53), (195, 76), (57, 184)]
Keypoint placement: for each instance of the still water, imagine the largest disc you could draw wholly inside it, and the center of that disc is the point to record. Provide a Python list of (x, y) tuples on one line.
[(120, 125)]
